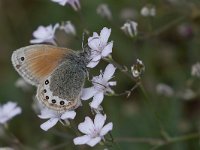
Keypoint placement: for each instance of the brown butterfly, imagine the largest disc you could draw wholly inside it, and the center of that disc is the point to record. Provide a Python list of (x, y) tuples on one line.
[(58, 73)]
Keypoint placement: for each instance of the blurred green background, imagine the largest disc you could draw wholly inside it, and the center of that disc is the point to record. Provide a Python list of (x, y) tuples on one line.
[(167, 53)]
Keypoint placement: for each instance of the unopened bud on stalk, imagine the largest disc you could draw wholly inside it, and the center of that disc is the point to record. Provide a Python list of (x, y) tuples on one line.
[(130, 28), (137, 69)]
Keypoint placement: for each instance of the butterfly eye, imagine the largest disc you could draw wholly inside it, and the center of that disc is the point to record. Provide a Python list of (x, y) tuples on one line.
[(62, 102), (22, 58)]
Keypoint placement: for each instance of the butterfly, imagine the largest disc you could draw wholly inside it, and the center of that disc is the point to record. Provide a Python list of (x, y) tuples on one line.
[(58, 73)]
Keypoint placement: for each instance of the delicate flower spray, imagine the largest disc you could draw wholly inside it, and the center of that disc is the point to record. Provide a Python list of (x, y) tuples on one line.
[(95, 129)]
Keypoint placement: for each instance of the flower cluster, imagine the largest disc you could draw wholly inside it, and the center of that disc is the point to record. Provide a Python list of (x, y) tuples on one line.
[(99, 48)]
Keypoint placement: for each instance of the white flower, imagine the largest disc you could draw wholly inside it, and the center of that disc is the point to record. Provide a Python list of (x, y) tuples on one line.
[(104, 11), (69, 28), (100, 47), (8, 111), (164, 89), (45, 34), (21, 83), (94, 131), (101, 86), (54, 117), (148, 11), (75, 4), (196, 70), (130, 28)]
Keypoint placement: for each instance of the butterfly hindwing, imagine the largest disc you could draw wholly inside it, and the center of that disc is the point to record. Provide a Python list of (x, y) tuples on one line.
[(62, 89)]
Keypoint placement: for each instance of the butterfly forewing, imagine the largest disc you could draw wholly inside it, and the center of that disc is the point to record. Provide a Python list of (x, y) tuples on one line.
[(36, 62)]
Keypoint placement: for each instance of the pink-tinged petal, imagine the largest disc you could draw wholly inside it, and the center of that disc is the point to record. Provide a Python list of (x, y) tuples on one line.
[(49, 124), (15, 112), (68, 115), (93, 141), (56, 26), (105, 34), (75, 4), (108, 127), (86, 127), (92, 64), (96, 58), (112, 83), (99, 121), (109, 71), (40, 32), (87, 93), (95, 34), (34, 41), (47, 113), (93, 43), (81, 140), (97, 99), (107, 50)]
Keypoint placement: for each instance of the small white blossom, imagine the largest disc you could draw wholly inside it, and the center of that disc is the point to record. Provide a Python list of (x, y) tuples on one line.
[(130, 28), (148, 11), (69, 28), (164, 89), (187, 94), (94, 131), (104, 11), (101, 86), (75, 4), (100, 47), (45, 34), (54, 117), (21, 83), (8, 111), (196, 70)]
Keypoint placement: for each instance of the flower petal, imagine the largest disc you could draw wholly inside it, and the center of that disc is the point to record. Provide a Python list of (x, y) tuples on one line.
[(87, 93), (96, 58), (47, 113), (68, 115), (107, 50), (108, 127), (97, 99), (92, 64), (49, 124), (94, 141), (109, 71), (99, 121), (81, 140), (87, 126), (105, 34), (93, 43), (112, 83)]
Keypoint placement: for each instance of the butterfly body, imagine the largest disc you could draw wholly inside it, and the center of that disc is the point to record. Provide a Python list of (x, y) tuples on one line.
[(58, 73)]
